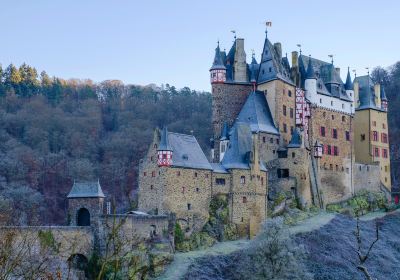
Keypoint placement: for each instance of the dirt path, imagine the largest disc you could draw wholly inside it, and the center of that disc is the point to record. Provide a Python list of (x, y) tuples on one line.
[(178, 268)]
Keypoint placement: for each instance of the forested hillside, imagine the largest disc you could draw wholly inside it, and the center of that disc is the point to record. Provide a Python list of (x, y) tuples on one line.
[(54, 131)]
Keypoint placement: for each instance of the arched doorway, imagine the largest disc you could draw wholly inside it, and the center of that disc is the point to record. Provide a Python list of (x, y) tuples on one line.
[(79, 263), (83, 217)]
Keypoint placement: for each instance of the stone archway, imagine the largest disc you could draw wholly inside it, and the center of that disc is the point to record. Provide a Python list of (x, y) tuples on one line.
[(79, 263), (83, 217)]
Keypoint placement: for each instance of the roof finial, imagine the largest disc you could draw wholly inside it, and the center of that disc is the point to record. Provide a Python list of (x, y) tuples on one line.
[(331, 56), (267, 24), (367, 70), (234, 34), (355, 73), (299, 46)]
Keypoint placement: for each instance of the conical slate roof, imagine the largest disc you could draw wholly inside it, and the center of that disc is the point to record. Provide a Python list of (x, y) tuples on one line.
[(383, 93), (164, 142), (296, 141), (310, 71), (349, 83), (217, 63), (225, 132), (255, 112)]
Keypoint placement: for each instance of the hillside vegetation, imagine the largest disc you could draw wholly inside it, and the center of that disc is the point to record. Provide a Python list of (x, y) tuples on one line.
[(53, 132)]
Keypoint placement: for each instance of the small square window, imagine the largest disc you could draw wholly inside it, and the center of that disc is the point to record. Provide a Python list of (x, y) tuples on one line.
[(244, 199), (189, 206)]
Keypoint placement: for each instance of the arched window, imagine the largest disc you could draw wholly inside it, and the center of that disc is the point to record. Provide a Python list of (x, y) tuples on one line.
[(78, 262), (83, 217)]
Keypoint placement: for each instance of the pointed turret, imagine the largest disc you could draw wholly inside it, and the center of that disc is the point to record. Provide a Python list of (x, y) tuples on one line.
[(349, 83), (296, 141), (164, 151), (253, 72), (218, 69), (310, 83), (224, 141), (384, 101), (310, 71)]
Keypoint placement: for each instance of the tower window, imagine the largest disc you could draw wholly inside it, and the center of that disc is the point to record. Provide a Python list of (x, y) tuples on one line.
[(197, 189), (153, 174), (333, 117), (362, 137), (283, 172), (284, 128), (291, 113), (334, 133), (242, 180), (244, 199), (178, 173), (189, 206), (144, 174), (290, 93), (271, 140), (347, 136), (195, 174), (322, 131), (263, 139), (219, 181), (343, 118), (284, 110)]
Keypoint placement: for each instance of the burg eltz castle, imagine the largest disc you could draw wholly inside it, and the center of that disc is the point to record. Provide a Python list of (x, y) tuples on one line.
[(280, 125)]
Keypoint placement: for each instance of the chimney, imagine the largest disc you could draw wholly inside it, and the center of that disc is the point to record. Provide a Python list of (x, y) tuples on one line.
[(278, 49), (338, 70), (295, 59)]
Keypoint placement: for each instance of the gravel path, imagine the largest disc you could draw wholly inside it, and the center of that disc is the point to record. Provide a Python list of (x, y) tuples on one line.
[(178, 268)]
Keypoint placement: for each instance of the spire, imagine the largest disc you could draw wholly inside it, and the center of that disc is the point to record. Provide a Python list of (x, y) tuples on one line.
[(310, 70), (164, 143), (217, 63), (225, 132), (383, 94), (349, 83), (253, 69)]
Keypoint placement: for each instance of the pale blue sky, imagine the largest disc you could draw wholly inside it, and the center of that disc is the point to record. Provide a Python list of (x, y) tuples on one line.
[(142, 42)]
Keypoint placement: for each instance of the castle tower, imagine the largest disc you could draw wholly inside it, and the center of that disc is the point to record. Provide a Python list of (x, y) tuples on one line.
[(371, 129), (310, 83), (164, 151), (218, 69), (229, 90), (85, 204)]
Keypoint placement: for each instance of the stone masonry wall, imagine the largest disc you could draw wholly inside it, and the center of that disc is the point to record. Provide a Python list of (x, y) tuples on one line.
[(366, 177), (187, 194)]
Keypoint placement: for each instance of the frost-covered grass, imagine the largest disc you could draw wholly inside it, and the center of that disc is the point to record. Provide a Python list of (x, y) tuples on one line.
[(329, 245)]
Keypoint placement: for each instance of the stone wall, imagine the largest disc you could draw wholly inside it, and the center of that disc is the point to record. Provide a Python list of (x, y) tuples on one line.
[(268, 146), (227, 101), (366, 177), (51, 248), (95, 206), (278, 95), (187, 193)]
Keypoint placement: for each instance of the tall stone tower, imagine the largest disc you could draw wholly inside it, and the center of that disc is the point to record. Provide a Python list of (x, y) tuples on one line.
[(371, 134), (230, 87)]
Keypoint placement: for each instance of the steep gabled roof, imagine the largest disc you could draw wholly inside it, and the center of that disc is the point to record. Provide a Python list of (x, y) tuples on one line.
[(240, 145), (272, 66), (256, 113), (86, 189), (187, 152)]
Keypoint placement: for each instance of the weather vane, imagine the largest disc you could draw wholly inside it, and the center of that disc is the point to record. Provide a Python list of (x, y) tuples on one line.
[(331, 56), (299, 46), (234, 34), (367, 70), (355, 72)]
